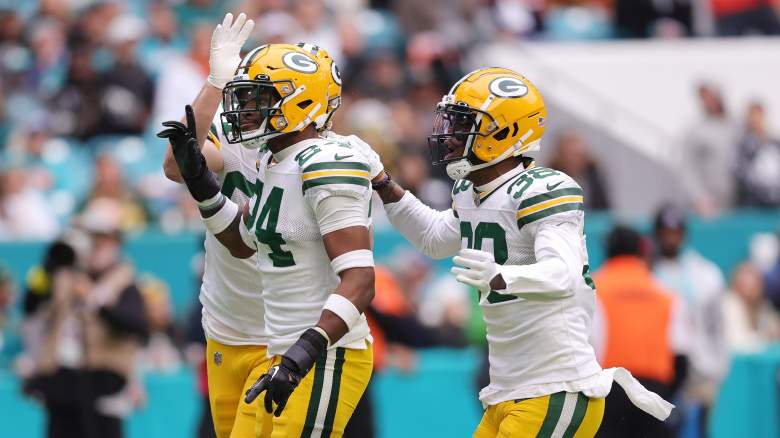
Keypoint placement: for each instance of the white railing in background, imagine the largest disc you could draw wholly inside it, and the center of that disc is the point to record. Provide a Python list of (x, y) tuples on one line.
[(643, 92)]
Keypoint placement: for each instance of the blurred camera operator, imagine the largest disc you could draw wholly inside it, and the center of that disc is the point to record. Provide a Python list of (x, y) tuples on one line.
[(87, 332)]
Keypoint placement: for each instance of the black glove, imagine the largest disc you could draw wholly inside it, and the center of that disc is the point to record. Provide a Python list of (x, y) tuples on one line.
[(281, 380), (201, 182)]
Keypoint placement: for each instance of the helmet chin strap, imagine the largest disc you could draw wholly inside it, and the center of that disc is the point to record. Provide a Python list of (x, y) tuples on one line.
[(462, 168)]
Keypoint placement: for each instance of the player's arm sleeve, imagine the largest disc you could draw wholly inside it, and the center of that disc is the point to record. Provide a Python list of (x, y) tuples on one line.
[(559, 262), (434, 233), (338, 194)]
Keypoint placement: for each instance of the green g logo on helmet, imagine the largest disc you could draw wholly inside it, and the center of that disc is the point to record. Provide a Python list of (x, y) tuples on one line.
[(508, 87), (299, 62)]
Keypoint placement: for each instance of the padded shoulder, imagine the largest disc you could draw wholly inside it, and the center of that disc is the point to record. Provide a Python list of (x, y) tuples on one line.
[(541, 192), (334, 164)]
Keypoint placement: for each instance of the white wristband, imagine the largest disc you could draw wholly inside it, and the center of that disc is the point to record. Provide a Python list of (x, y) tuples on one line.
[(344, 308), (220, 220), (359, 258)]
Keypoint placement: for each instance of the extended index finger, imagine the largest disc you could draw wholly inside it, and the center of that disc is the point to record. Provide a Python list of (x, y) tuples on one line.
[(256, 389), (190, 117)]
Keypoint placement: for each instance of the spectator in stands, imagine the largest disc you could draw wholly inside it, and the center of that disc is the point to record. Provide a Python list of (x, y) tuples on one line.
[(76, 106), (415, 174), (709, 153), (90, 333), (11, 28), (578, 20), (160, 352), (191, 12), (181, 77), (571, 156), (109, 187), (772, 282), (126, 89), (183, 216), (24, 213), (315, 25), (163, 41), (699, 284), (634, 310), (195, 349), (10, 325), (741, 17), (675, 18), (758, 162), (750, 321)]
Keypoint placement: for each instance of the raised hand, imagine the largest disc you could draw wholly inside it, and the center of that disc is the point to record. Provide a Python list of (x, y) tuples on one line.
[(184, 143), (225, 54)]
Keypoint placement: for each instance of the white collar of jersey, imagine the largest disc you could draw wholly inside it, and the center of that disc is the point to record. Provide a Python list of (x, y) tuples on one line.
[(289, 150), (488, 188)]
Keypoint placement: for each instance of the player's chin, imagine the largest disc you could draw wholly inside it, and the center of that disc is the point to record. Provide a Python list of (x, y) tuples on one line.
[(454, 153)]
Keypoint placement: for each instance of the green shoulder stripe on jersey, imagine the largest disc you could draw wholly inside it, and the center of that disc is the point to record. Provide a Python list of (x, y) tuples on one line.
[(314, 399), (335, 180), (330, 414), (334, 165), (554, 408), (525, 220), (533, 200)]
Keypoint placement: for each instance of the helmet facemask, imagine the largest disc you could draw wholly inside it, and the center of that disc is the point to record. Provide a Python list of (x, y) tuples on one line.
[(454, 126), (251, 111)]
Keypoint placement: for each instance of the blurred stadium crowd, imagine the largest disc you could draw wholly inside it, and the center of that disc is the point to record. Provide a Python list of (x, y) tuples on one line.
[(84, 85)]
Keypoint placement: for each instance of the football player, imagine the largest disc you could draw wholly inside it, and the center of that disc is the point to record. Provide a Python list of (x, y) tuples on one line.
[(231, 292), (308, 223), (516, 231)]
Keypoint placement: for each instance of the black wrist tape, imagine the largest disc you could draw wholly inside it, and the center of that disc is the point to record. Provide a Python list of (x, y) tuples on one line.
[(302, 355)]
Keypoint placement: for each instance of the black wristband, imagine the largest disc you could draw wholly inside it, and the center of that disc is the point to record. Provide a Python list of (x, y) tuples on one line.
[(203, 186), (302, 355), (381, 184)]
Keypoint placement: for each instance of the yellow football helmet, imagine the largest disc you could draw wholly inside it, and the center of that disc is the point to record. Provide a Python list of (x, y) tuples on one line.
[(278, 89), (495, 113), (334, 82)]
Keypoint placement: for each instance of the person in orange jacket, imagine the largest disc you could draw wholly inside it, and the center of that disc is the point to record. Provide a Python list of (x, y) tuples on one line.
[(639, 325)]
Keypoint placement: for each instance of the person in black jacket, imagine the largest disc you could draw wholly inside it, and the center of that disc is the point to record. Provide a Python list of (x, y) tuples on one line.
[(90, 326)]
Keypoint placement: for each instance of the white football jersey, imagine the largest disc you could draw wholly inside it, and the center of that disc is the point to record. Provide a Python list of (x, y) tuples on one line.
[(297, 274), (232, 289), (536, 344)]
